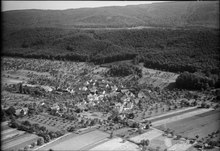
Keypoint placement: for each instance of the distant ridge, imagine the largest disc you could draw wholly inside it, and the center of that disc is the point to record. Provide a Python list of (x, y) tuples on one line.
[(167, 14)]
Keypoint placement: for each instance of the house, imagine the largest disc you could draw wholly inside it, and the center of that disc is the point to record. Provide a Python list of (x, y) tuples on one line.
[(128, 106), (55, 107), (118, 105), (141, 95), (93, 90), (136, 101), (47, 88), (84, 88), (19, 110)]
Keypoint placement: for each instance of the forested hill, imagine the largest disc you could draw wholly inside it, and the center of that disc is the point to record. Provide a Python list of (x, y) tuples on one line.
[(175, 50), (172, 14)]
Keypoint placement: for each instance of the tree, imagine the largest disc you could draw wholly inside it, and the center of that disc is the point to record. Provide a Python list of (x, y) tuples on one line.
[(139, 130), (111, 134), (42, 128), (14, 123), (40, 141), (33, 144), (144, 144), (46, 138), (11, 110), (22, 113), (27, 123), (20, 88), (26, 148), (70, 129), (52, 135)]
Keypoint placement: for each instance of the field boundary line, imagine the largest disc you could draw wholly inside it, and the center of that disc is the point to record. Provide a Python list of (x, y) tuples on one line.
[(180, 117), (169, 113), (90, 146), (52, 141)]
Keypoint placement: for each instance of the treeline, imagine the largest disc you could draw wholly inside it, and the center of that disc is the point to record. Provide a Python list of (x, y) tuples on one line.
[(197, 81), (124, 70), (175, 50)]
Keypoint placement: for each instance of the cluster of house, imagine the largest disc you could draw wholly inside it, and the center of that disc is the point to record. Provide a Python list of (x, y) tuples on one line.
[(100, 89)]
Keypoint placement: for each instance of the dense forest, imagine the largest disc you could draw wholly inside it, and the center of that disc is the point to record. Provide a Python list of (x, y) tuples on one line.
[(175, 50), (197, 81)]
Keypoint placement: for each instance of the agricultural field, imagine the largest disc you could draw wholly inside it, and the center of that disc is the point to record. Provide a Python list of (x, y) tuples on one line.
[(116, 144), (148, 135), (78, 142), (158, 78), (13, 139), (201, 125), (19, 142)]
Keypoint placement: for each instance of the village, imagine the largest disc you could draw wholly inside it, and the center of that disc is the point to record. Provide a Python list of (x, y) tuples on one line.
[(44, 101)]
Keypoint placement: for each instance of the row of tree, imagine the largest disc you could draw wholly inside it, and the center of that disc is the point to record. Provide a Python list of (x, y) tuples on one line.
[(124, 70), (35, 128)]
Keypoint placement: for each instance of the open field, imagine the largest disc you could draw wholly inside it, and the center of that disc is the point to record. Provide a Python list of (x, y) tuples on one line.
[(171, 114), (78, 142), (10, 133), (179, 147), (162, 142), (180, 117), (148, 135), (116, 144), (200, 125)]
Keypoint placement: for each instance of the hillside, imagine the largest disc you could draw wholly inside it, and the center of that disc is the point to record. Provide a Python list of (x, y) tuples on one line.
[(175, 50), (171, 14)]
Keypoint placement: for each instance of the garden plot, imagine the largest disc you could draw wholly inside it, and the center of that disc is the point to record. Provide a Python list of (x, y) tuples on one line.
[(180, 117), (116, 144), (157, 78), (51, 124), (79, 142), (148, 135), (92, 115)]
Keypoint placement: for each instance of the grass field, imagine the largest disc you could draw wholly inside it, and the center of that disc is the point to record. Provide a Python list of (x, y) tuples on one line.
[(172, 113), (180, 117), (148, 135), (78, 142), (10, 134), (116, 144), (179, 147), (162, 142), (202, 125)]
